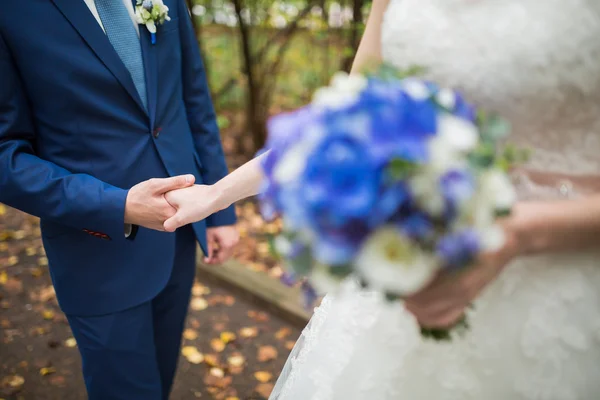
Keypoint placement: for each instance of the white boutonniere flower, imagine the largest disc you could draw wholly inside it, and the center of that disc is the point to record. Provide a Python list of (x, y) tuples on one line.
[(151, 13)]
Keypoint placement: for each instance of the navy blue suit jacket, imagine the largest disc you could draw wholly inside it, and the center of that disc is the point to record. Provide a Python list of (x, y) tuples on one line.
[(74, 137)]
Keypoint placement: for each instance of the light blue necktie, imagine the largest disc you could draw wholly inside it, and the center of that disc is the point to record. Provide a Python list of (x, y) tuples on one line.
[(123, 36)]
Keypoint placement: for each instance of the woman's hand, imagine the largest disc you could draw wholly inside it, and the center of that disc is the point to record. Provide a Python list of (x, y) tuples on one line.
[(193, 204), (442, 304)]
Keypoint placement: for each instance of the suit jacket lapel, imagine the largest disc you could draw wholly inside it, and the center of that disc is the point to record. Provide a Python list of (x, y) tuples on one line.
[(84, 22)]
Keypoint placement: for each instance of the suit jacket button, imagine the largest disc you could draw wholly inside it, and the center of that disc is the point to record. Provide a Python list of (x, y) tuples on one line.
[(156, 133)]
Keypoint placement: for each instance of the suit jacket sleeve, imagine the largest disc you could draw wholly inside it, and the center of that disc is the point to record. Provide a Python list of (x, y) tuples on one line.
[(39, 187), (200, 113)]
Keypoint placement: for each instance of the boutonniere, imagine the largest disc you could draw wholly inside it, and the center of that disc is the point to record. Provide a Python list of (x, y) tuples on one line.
[(151, 13)]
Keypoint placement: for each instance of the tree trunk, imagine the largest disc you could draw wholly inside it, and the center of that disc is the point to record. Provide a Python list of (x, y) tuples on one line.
[(355, 29), (198, 29), (253, 122)]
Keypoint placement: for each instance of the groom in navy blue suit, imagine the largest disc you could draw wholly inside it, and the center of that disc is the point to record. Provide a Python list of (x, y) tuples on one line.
[(97, 123)]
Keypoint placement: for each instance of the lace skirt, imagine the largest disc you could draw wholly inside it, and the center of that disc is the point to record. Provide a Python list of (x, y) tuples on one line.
[(535, 334)]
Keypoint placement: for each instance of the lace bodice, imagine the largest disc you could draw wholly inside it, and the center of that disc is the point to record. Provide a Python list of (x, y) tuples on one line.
[(536, 62)]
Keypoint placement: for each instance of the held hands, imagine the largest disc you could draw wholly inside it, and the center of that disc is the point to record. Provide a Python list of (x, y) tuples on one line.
[(146, 204), (442, 304), (195, 203)]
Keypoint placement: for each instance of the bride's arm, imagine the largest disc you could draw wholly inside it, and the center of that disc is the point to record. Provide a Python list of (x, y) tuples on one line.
[(199, 201), (369, 50), (556, 226), (244, 182)]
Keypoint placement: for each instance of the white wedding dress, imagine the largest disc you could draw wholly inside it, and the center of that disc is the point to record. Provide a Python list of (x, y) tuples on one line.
[(535, 331)]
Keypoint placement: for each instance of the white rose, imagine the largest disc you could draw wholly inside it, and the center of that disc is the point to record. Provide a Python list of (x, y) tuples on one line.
[(293, 162), (497, 187), (343, 91), (323, 281), (446, 98), (442, 156), (425, 188), (416, 89), (349, 83), (458, 134), (389, 262)]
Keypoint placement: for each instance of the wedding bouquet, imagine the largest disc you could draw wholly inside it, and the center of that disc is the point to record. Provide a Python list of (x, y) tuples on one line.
[(387, 179)]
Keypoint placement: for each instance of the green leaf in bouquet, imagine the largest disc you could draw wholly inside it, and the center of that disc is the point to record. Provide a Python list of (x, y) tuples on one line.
[(502, 213), (494, 128), (341, 271), (399, 168), (272, 248), (515, 155), (439, 335), (391, 297), (302, 264), (483, 156), (389, 72)]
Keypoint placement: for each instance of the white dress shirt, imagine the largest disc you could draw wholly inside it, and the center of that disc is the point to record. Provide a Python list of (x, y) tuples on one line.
[(128, 3)]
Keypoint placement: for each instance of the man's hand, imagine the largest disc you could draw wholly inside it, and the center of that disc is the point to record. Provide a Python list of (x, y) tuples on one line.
[(146, 204), (221, 242)]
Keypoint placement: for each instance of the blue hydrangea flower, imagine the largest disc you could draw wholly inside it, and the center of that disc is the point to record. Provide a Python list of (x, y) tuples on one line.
[(459, 249), (457, 187), (417, 226), (340, 182)]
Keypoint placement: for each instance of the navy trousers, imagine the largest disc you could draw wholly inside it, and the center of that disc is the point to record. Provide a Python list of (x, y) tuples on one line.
[(133, 354)]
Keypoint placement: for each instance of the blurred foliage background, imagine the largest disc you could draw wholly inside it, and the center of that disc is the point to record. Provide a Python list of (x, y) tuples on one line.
[(264, 57)]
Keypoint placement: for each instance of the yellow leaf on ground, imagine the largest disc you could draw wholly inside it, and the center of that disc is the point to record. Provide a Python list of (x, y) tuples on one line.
[(264, 389), (2, 209), (263, 376), (290, 344), (229, 300), (211, 360), (71, 342), (227, 337), (192, 354), (195, 358), (190, 334), (47, 371), (213, 381), (37, 272), (200, 290), (217, 345), (236, 360), (42, 261), (218, 372), (3, 278), (198, 304), (13, 260), (249, 332), (13, 381), (283, 333), (48, 314), (187, 350), (266, 353)]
